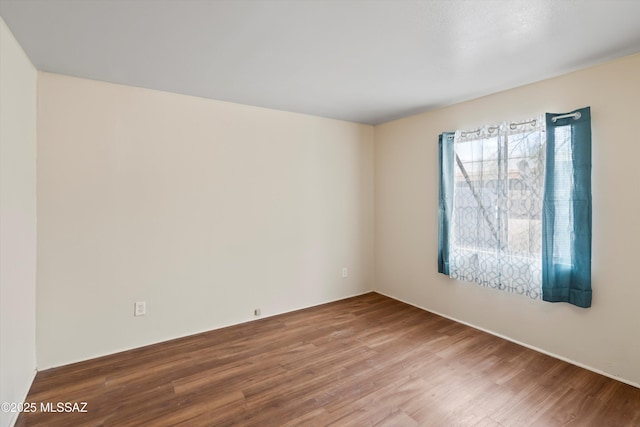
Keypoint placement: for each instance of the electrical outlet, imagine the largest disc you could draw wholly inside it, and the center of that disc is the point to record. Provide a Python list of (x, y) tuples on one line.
[(140, 308), (257, 312), (345, 272)]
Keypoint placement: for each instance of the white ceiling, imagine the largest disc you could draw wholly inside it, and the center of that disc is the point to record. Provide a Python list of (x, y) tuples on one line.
[(363, 61)]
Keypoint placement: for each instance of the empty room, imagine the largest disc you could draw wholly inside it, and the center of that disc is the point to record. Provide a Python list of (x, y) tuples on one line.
[(319, 213)]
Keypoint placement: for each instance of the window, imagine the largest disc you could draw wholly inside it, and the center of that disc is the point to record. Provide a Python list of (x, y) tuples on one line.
[(512, 199), (496, 227)]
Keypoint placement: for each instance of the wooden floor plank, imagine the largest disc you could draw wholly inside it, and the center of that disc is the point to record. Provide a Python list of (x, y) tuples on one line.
[(363, 361)]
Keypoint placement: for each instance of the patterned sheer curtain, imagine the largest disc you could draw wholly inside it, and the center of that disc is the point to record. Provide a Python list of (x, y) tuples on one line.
[(496, 211)]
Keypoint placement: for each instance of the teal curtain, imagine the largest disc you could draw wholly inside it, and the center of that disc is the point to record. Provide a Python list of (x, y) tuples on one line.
[(566, 216), (445, 203)]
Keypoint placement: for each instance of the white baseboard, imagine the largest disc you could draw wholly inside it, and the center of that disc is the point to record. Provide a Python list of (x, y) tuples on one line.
[(539, 350), (196, 332), (13, 420)]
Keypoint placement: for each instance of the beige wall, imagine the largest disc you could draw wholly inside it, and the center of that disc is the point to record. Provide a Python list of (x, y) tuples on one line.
[(17, 222), (604, 337), (203, 209)]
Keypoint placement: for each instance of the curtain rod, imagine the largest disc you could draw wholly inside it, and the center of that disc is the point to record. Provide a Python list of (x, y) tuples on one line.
[(575, 116), (492, 129), (513, 125)]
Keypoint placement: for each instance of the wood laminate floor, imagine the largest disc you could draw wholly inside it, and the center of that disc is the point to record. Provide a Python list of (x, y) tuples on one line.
[(363, 361)]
